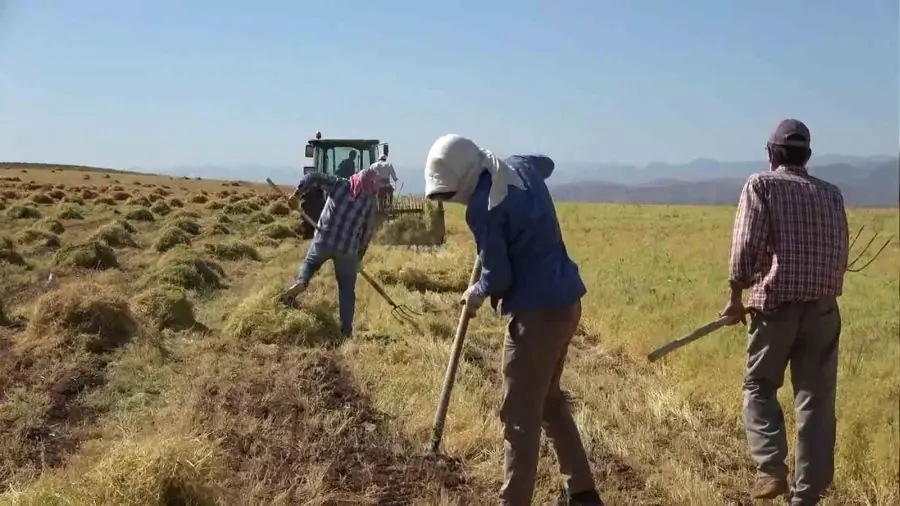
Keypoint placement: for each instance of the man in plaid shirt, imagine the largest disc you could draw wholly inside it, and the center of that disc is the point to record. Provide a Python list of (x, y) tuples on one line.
[(342, 235), (789, 248)]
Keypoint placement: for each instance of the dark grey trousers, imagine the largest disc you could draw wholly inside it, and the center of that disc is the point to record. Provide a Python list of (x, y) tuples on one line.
[(804, 335)]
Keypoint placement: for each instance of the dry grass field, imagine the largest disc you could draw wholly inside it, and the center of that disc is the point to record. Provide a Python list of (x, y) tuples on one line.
[(161, 370)]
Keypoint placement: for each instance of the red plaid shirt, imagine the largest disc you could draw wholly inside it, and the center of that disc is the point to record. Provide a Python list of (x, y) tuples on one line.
[(790, 238)]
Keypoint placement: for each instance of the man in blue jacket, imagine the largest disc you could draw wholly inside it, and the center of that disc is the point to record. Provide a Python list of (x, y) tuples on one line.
[(525, 267)]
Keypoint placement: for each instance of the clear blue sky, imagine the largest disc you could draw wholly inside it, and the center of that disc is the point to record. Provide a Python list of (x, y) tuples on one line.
[(178, 82)]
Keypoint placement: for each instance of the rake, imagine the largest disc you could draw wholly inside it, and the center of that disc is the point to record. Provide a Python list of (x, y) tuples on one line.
[(400, 312), (721, 322), (850, 266)]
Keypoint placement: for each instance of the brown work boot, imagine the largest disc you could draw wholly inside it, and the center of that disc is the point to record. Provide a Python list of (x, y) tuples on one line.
[(769, 487)]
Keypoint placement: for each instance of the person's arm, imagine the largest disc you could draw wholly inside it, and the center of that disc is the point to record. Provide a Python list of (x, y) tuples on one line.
[(749, 237), (316, 181), (496, 269), (393, 172)]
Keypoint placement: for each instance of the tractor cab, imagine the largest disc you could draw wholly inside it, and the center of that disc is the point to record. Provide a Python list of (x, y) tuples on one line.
[(345, 157), (342, 157), (336, 157)]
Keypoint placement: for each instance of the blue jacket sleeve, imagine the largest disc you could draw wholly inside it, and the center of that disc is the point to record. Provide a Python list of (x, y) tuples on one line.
[(496, 270)]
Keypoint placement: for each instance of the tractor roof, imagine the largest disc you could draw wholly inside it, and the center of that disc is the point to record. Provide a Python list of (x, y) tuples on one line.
[(350, 143)]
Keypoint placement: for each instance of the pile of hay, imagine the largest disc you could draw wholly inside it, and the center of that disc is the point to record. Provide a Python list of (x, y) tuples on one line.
[(53, 226), (426, 229), (170, 237), (8, 253), (34, 236), (42, 198), (139, 201), (89, 255), (23, 212), (189, 226), (442, 280), (69, 213), (165, 307), (160, 208), (278, 231), (232, 250), (279, 209), (91, 316), (262, 318), (115, 235), (149, 469), (139, 214), (262, 218), (187, 269), (4, 319)]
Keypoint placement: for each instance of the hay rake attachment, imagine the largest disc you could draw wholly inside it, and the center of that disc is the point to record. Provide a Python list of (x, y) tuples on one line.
[(851, 265), (400, 312)]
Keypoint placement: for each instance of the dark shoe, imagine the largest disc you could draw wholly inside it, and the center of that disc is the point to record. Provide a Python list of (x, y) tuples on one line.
[(584, 498), (291, 294), (769, 487)]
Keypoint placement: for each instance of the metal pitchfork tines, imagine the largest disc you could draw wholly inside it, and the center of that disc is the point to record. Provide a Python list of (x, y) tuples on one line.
[(400, 312), (850, 266)]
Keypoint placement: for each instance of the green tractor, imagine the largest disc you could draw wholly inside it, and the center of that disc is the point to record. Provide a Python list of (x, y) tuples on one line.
[(345, 157)]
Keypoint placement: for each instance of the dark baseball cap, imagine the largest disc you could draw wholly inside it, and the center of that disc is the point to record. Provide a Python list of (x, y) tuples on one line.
[(790, 132)]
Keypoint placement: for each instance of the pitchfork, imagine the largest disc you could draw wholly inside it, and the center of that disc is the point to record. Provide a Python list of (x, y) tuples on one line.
[(401, 313), (850, 266)]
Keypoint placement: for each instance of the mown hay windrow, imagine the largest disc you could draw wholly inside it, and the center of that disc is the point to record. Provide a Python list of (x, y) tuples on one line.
[(139, 201), (90, 315), (139, 214), (114, 235), (262, 218), (23, 212), (170, 237), (176, 203), (186, 224), (166, 307), (220, 229), (152, 469), (69, 213), (126, 226), (199, 199), (8, 253), (277, 231), (53, 226), (239, 208), (186, 214), (161, 208), (263, 318), (412, 229), (187, 269), (278, 209), (90, 255), (34, 236), (4, 318), (42, 198), (232, 250)]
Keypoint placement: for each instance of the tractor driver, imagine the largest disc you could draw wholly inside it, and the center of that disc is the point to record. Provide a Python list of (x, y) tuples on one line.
[(347, 167)]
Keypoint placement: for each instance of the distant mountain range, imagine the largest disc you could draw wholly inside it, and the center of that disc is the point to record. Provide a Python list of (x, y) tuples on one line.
[(872, 181)]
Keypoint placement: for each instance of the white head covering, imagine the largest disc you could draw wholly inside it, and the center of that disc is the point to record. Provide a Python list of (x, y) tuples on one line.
[(454, 164)]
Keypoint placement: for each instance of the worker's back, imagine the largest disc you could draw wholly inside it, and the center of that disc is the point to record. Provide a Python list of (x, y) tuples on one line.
[(544, 277)]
